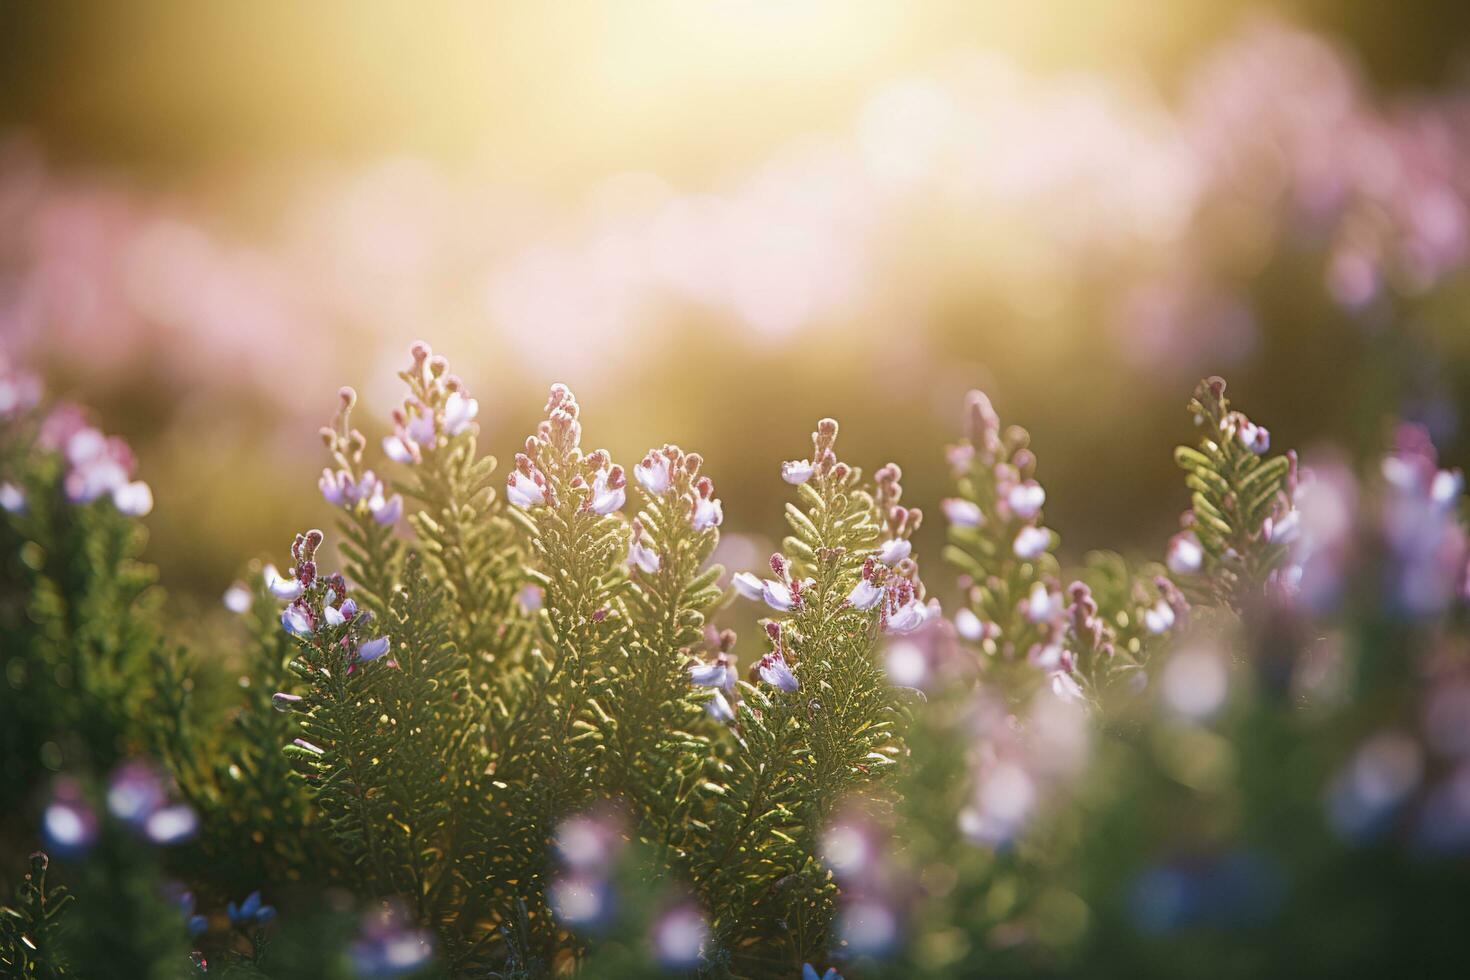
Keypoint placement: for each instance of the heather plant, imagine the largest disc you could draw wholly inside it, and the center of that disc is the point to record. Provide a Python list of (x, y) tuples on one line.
[(78, 623), (1017, 610), (517, 664), (511, 737)]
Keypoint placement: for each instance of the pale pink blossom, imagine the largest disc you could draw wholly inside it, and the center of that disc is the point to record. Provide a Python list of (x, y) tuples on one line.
[(459, 411), (779, 596), (134, 499), (718, 673), (525, 489), (797, 471), (1065, 686), (968, 625), (372, 649), (1185, 556), (655, 473), (640, 555), (1041, 604), (237, 599), (1254, 437), (386, 512), (907, 617), (708, 513), (1025, 499), (961, 512), (12, 498), (894, 550), (333, 485), (1031, 542), (773, 670), (608, 492), (865, 595), (1159, 618), (718, 708), (400, 449), (285, 589), (748, 585)]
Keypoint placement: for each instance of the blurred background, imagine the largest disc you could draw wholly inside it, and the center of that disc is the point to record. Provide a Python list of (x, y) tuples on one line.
[(719, 221)]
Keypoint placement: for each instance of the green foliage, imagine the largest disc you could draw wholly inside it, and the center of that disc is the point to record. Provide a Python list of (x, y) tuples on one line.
[(1088, 636), (29, 929), (387, 745), (1235, 493), (648, 715), (256, 823), (794, 755), (77, 625), (427, 735)]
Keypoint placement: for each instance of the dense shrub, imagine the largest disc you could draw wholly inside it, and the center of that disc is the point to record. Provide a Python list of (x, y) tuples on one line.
[(508, 737)]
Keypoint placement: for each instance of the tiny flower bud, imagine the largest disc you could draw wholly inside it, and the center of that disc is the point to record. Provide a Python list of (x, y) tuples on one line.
[(282, 701)]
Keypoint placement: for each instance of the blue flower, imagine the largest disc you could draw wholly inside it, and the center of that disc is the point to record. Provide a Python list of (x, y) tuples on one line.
[(197, 925), (809, 972), (250, 912), (372, 649)]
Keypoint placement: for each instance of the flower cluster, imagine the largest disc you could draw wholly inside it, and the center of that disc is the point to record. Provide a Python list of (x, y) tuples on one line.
[(772, 667), (350, 485), (97, 465), (1234, 546), (671, 471), (389, 945), (588, 845), (251, 913), (857, 847), (1019, 610), (320, 604), (1015, 606), (20, 391), (437, 408), (553, 459), (886, 579), (782, 593), (718, 673), (1420, 525), (1018, 761), (138, 795)]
